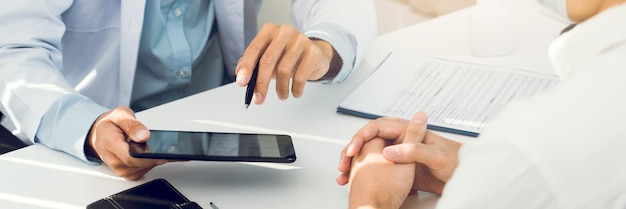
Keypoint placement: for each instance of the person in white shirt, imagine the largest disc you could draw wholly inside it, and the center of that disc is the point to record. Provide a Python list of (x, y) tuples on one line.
[(563, 148), (73, 72)]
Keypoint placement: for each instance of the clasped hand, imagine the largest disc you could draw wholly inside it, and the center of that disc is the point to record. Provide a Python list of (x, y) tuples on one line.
[(376, 171)]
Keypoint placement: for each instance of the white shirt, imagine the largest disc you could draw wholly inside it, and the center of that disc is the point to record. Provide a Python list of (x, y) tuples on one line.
[(564, 148)]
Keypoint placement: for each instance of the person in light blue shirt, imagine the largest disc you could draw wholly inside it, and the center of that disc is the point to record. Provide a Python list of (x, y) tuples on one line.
[(73, 72)]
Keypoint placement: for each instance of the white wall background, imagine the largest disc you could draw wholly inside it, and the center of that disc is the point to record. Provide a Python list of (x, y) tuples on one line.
[(392, 14), (276, 11)]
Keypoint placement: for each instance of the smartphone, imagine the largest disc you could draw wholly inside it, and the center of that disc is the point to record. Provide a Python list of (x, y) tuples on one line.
[(215, 146)]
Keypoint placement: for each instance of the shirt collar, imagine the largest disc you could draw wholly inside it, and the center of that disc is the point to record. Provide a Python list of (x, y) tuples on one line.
[(588, 39)]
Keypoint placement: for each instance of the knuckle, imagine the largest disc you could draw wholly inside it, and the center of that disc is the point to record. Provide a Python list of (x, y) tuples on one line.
[(261, 85), (283, 70), (252, 49), (269, 26), (133, 126), (411, 150), (268, 59), (287, 28), (302, 40), (313, 50), (299, 78), (413, 130), (375, 124)]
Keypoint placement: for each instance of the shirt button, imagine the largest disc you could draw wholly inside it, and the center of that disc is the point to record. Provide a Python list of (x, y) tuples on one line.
[(182, 73), (178, 12)]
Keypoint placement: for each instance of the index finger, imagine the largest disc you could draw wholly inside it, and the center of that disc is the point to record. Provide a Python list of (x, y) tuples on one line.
[(252, 54)]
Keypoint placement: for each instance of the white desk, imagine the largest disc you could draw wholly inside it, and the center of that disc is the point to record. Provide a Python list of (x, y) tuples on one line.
[(36, 177)]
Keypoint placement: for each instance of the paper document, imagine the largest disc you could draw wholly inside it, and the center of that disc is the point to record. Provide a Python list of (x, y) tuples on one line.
[(458, 97)]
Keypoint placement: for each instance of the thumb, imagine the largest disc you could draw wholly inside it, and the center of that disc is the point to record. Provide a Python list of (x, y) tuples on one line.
[(140, 134), (404, 153), (411, 153), (134, 129), (409, 149), (416, 130)]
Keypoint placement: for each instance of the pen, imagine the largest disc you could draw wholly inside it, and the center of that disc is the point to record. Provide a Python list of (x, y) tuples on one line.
[(251, 85), (213, 206)]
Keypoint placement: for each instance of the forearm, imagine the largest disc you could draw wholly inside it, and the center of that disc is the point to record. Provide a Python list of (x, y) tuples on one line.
[(66, 124), (30, 61), (377, 185), (40, 104), (376, 182)]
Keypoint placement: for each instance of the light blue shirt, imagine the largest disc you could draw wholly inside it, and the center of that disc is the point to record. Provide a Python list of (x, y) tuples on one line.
[(178, 56), (76, 67)]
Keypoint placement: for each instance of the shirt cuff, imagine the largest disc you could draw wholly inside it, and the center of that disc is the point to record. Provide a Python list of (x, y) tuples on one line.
[(66, 124), (342, 41)]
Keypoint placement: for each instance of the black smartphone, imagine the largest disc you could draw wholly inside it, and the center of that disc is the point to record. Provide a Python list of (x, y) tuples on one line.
[(215, 146)]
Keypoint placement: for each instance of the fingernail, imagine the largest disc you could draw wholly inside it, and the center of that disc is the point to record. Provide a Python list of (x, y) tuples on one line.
[(141, 134), (391, 152), (258, 97), (241, 79), (350, 150), (161, 162), (419, 117)]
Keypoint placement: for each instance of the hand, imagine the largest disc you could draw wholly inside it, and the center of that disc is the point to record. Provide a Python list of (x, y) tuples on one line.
[(289, 56), (387, 128), (376, 182), (437, 157), (107, 140)]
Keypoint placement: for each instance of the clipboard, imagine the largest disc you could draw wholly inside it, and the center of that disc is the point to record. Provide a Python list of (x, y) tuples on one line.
[(458, 97)]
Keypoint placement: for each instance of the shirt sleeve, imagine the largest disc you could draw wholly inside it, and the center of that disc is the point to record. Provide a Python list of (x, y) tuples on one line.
[(38, 102), (348, 25), (493, 174), (67, 123), (30, 59)]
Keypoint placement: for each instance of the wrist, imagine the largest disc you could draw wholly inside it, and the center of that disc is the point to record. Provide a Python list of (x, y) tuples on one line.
[(335, 60), (89, 149)]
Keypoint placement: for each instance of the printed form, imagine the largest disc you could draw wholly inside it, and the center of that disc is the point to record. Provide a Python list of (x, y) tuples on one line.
[(458, 97)]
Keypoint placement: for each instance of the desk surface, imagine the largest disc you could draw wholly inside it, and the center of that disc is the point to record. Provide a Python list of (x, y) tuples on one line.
[(36, 177)]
